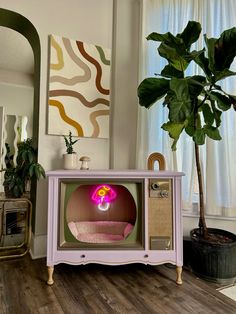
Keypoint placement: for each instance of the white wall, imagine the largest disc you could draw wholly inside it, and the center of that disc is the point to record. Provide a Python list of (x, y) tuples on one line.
[(125, 83), (191, 222), (90, 21), (17, 100)]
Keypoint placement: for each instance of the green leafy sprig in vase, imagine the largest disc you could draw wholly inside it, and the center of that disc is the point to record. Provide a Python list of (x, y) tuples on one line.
[(70, 159)]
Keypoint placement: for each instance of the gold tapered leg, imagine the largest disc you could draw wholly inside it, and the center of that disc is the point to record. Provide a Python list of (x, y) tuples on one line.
[(50, 273), (179, 273)]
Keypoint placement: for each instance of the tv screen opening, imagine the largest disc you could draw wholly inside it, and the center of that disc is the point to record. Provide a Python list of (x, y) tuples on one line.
[(101, 214)]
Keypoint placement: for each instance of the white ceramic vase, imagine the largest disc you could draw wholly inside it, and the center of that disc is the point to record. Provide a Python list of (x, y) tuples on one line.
[(70, 161)]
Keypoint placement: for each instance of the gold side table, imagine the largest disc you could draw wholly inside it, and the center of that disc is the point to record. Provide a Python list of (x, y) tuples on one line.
[(15, 227)]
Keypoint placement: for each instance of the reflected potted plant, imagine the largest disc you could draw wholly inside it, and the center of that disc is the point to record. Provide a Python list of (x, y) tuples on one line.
[(70, 159), (195, 105), (18, 178)]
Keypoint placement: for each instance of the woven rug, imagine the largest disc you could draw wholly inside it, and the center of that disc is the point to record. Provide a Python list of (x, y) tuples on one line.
[(229, 291)]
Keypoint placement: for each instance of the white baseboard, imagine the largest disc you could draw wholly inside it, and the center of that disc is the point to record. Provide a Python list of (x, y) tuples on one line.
[(38, 246)]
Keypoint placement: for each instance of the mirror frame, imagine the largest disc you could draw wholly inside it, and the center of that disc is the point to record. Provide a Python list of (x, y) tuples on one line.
[(22, 25)]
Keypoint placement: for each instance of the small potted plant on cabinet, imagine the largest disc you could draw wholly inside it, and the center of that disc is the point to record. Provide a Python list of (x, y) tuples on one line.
[(18, 178), (70, 159), (195, 105)]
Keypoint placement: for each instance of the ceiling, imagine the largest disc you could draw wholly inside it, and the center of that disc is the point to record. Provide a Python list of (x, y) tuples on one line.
[(16, 53)]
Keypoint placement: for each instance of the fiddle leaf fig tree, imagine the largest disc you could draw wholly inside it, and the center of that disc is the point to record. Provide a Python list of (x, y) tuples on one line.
[(195, 103)]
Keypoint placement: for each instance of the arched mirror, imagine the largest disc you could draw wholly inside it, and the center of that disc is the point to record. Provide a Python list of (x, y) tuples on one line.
[(19, 82), (16, 90), (20, 69)]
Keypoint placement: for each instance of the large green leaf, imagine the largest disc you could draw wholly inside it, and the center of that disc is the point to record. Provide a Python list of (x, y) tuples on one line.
[(172, 49), (169, 71), (196, 84), (191, 33), (178, 110), (176, 48), (180, 105), (174, 57), (225, 49), (208, 114), (199, 136), (212, 132), (152, 89), (174, 130), (223, 102), (191, 124), (233, 101), (210, 42), (180, 88), (36, 170), (167, 38), (203, 62), (217, 113), (193, 55), (220, 75)]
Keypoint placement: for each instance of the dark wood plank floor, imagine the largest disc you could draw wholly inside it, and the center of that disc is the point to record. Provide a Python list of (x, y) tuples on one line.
[(102, 289)]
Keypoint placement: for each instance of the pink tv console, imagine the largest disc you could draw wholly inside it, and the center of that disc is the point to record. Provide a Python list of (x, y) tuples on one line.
[(114, 217)]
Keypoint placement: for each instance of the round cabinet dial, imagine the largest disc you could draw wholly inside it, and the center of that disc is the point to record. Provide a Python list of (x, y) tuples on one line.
[(155, 186), (164, 193)]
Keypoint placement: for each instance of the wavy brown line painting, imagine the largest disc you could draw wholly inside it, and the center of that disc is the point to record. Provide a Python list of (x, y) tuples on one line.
[(79, 88)]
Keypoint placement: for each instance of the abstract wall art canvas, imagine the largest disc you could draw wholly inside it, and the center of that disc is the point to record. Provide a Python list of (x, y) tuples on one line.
[(79, 88)]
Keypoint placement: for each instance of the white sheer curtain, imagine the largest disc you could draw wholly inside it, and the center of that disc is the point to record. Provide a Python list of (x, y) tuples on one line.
[(218, 158)]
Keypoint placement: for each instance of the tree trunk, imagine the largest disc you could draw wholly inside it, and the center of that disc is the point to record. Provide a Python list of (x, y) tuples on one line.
[(202, 223)]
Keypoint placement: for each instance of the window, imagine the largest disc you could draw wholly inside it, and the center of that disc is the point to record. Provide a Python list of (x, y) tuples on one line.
[(217, 157)]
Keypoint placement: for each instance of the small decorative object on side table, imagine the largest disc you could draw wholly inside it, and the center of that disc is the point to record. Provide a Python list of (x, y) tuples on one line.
[(84, 164)]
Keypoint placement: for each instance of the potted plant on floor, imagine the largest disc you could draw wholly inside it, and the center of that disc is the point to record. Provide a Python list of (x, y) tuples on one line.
[(195, 105), (17, 178), (70, 159)]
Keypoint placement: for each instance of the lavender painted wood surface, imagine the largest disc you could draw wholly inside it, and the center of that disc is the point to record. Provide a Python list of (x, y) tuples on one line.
[(109, 256)]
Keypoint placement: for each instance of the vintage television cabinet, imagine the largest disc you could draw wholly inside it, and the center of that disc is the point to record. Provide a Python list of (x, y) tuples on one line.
[(114, 217)]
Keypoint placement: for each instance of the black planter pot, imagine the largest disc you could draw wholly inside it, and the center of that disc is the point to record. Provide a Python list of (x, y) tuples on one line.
[(215, 262)]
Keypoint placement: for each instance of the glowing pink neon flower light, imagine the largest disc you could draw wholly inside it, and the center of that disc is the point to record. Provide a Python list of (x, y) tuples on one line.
[(103, 195)]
